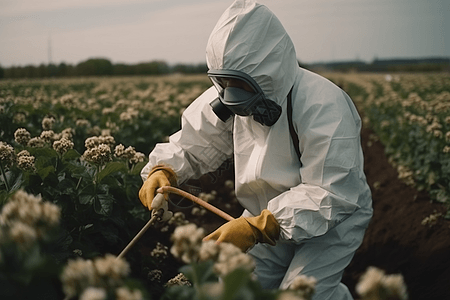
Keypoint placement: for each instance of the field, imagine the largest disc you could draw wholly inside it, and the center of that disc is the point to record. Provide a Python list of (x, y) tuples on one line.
[(80, 143)]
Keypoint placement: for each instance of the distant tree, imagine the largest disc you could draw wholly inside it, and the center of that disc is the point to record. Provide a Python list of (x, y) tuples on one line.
[(190, 68), (71, 70), (52, 70), (62, 70), (13, 72), (95, 67), (29, 71), (123, 69), (42, 71), (152, 68), (2, 72)]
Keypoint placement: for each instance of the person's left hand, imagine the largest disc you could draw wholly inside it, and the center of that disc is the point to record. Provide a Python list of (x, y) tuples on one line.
[(245, 232)]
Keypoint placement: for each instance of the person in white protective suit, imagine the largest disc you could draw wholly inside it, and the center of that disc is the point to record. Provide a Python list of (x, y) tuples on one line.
[(304, 214)]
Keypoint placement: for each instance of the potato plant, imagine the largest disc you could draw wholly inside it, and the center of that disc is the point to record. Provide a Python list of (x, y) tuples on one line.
[(410, 114), (71, 151)]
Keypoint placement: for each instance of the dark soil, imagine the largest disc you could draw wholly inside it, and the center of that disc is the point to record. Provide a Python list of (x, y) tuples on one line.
[(395, 241)]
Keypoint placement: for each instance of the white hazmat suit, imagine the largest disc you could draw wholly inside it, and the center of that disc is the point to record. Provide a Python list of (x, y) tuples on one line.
[(323, 203)]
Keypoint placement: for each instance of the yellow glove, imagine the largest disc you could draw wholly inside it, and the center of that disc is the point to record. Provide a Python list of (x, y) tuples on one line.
[(159, 176), (245, 232)]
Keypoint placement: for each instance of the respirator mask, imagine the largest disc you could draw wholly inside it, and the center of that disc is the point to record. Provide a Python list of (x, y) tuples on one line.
[(239, 94)]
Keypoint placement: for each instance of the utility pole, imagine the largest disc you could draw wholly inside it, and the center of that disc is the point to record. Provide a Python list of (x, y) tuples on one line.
[(49, 48)]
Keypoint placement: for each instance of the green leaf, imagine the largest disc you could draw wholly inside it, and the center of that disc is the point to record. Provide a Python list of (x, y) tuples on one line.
[(43, 152), (234, 283), (81, 169), (111, 168), (71, 154), (138, 168), (86, 199), (44, 172), (103, 204), (15, 180), (179, 293), (87, 194), (199, 273)]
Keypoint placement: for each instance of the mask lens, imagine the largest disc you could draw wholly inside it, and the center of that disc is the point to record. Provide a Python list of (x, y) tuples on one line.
[(238, 100), (225, 82)]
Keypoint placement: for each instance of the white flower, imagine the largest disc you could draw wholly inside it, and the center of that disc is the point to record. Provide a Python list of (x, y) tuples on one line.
[(6, 153), (229, 184), (374, 284), (289, 295), (30, 210), (128, 153), (25, 161), (100, 154), (231, 258), (119, 150), (137, 158), (212, 290), (209, 251), (82, 123), (178, 219), (77, 276), (63, 145), (93, 293), (155, 275), (432, 219), (47, 136), (67, 133), (47, 123), (187, 240), (36, 142), (207, 196), (22, 136), (22, 234), (304, 286), (124, 293), (180, 279), (159, 252), (106, 272), (111, 269)]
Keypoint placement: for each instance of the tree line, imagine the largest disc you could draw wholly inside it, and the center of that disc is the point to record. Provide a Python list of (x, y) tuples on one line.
[(104, 67), (99, 67)]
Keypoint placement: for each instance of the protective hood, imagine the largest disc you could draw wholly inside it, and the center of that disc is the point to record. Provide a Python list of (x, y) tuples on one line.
[(308, 196), (249, 38)]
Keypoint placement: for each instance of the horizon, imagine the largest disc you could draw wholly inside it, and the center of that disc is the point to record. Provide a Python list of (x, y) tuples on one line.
[(199, 63)]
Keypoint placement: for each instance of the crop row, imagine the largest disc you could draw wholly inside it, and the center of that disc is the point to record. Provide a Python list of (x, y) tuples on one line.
[(410, 114), (71, 151)]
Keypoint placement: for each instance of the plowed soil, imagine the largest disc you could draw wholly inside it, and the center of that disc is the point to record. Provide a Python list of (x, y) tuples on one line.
[(395, 241)]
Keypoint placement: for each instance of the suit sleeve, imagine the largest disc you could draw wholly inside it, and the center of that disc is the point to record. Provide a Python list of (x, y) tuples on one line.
[(202, 144)]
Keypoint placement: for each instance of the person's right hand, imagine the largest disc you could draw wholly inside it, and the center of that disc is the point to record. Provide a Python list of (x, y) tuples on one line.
[(159, 176)]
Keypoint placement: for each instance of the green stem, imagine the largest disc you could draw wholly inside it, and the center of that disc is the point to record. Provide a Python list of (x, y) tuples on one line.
[(96, 176), (4, 176), (197, 283), (56, 164), (78, 184)]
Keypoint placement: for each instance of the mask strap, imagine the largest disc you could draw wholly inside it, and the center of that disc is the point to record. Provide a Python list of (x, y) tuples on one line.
[(294, 135)]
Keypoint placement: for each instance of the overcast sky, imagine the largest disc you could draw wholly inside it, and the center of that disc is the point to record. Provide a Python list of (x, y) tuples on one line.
[(176, 31)]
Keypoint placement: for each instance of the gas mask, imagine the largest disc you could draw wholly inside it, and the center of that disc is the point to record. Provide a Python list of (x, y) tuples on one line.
[(240, 94)]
